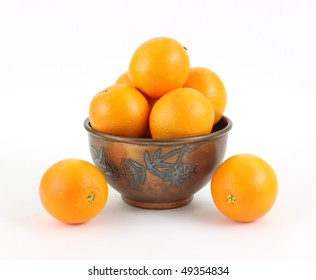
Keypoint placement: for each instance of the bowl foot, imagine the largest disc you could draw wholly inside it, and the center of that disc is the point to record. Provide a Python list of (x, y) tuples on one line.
[(158, 205)]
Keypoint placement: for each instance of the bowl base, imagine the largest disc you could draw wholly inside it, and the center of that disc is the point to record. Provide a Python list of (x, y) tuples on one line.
[(158, 205)]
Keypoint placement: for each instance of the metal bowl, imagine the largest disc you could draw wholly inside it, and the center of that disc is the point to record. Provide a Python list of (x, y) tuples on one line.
[(158, 174)]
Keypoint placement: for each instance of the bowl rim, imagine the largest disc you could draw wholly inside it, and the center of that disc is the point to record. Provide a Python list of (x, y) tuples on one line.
[(132, 140)]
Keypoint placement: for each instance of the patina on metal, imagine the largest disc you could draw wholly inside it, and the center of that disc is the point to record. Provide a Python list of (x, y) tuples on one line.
[(158, 174)]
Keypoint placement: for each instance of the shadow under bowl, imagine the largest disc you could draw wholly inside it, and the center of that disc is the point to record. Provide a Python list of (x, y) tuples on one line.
[(158, 174)]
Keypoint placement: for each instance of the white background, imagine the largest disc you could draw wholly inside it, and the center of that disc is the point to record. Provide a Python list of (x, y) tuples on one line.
[(56, 55)]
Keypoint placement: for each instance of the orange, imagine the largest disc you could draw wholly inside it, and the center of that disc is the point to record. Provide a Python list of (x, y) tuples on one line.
[(124, 79), (119, 110), (244, 187), (73, 191), (208, 83), (159, 65), (182, 112)]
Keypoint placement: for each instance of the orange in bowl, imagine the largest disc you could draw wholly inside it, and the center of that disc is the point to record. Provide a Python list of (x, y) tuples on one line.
[(120, 110)]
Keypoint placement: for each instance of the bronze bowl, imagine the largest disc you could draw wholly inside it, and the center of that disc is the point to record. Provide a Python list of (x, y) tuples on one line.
[(158, 174)]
